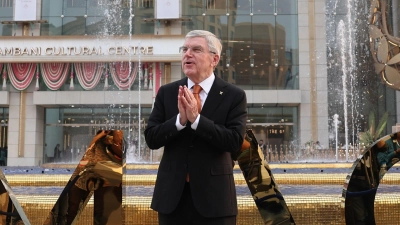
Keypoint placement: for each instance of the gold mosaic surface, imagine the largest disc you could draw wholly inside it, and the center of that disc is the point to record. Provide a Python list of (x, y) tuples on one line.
[(281, 179), (305, 209)]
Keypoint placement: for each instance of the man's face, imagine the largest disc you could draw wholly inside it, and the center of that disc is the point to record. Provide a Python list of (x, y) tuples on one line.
[(198, 65)]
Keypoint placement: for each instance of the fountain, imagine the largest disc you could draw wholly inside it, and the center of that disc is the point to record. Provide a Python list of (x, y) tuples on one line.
[(335, 120), (352, 81)]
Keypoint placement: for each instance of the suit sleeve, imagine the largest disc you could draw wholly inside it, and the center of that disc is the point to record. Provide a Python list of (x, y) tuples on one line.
[(161, 129)]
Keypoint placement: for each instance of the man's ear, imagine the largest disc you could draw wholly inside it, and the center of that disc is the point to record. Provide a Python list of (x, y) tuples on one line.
[(215, 60)]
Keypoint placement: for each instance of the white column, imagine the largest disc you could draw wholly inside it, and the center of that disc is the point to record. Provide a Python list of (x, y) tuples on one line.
[(31, 153), (313, 116)]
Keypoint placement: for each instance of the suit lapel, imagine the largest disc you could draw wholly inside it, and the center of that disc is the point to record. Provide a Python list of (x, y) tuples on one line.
[(215, 96)]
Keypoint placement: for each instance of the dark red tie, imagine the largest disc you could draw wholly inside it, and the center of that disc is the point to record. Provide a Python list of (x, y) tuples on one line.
[(196, 91)]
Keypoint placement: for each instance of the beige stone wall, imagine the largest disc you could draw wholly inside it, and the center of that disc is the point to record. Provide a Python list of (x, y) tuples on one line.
[(313, 72)]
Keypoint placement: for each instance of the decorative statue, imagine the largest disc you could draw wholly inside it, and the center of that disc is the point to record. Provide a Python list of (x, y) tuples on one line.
[(100, 173)]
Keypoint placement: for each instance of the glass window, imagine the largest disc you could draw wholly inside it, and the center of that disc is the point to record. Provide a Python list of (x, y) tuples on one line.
[(4, 115), (51, 11), (211, 28), (74, 8), (144, 4), (103, 26), (259, 113), (118, 25), (215, 7), (143, 9), (196, 22), (263, 44), (275, 125), (96, 26), (291, 80), (142, 27), (52, 8), (6, 4), (239, 48), (75, 3), (192, 8), (243, 7), (74, 128), (212, 19), (6, 12), (286, 7), (52, 27), (223, 34), (104, 17), (96, 8), (263, 6), (6, 29), (286, 38), (74, 25), (260, 51)]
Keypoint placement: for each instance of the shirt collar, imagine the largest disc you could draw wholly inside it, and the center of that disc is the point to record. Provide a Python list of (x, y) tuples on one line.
[(205, 84)]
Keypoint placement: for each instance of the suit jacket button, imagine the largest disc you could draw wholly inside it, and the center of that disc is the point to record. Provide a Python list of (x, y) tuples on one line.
[(185, 165), (170, 134)]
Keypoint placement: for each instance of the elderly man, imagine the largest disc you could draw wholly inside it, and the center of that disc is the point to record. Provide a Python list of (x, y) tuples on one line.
[(200, 121)]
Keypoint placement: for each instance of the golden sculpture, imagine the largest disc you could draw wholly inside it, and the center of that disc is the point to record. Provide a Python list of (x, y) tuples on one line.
[(384, 46)]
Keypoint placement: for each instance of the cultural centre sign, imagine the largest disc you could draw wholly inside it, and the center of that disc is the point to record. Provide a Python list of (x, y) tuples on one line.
[(76, 50)]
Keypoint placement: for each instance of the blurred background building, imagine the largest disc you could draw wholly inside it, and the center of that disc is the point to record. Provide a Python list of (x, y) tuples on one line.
[(72, 67)]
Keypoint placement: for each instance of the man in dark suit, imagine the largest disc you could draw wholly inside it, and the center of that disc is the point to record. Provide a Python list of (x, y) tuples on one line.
[(195, 182)]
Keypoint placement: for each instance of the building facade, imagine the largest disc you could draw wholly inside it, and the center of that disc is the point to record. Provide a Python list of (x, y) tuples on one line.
[(70, 68)]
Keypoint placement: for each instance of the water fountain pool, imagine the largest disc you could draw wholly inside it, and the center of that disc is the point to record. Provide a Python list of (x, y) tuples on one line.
[(316, 185)]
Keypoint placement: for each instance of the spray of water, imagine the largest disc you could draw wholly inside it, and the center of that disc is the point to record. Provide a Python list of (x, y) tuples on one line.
[(115, 24), (345, 71), (346, 58)]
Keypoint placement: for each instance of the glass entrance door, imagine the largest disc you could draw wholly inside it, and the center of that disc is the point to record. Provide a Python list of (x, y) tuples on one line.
[(276, 140)]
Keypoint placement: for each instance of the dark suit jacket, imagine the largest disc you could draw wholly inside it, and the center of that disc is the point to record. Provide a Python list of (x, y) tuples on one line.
[(204, 153)]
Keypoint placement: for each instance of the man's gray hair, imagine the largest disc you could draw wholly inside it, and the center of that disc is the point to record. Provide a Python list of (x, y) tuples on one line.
[(214, 44)]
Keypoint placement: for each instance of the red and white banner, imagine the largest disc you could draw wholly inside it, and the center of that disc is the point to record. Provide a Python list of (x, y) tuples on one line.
[(21, 74), (123, 74), (89, 74), (54, 74)]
